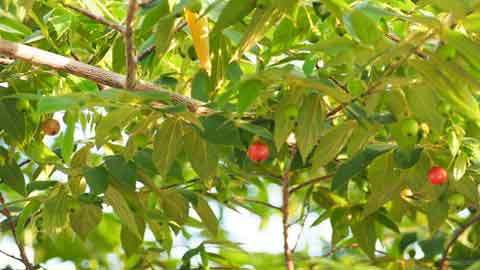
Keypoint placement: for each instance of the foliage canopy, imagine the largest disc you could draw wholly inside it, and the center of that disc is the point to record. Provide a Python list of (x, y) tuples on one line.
[(160, 100)]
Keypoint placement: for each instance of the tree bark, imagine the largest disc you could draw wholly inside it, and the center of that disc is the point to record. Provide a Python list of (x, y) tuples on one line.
[(93, 73)]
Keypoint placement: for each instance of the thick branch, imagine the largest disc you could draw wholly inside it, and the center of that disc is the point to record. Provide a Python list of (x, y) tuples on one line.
[(443, 262), (94, 17), (129, 46), (12, 226), (93, 73), (285, 213)]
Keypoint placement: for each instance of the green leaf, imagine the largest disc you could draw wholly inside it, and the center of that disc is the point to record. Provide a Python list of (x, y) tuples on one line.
[(206, 214), (175, 206), (162, 234), (356, 164), (460, 166), (249, 91), (97, 179), (220, 130), (122, 171), (12, 121), (255, 129), (385, 183), (331, 143), (118, 55), (201, 86), (130, 242), (114, 119), (164, 34), (114, 198), (310, 124), (383, 219), (454, 93), (284, 124), (437, 213), (297, 81), (364, 28), (40, 185), (340, 221), (67, 147), (261, 21), (9, 25), (40, 153), (233, 12), (168, 144), (12, 176), (364, 233), (85, 219), (56, 209), (24, 218), (422, 101), (468, 188), (50, 104), (453, 142), (202, 155)]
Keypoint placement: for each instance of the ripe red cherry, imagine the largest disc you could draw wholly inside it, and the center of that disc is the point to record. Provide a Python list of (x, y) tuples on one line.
[(51, 127), (437, 175), (258, 151)]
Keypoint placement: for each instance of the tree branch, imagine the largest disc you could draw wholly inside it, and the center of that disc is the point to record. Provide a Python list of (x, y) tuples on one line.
[(456, 235), (11, 256), (129, 46), (266, 204), (151, 49), (11, 224), (289, 265), (93, 73), (310, 182), (97, 18)]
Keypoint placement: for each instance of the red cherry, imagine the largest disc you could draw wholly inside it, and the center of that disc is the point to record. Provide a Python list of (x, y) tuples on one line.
[(51, 127), (437, 175), (258, 151)]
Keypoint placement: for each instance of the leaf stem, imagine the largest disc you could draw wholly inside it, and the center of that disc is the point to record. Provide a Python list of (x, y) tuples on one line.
[(97, 18)]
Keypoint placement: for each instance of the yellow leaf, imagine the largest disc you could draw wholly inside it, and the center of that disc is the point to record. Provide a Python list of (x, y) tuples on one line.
[(199, 28)]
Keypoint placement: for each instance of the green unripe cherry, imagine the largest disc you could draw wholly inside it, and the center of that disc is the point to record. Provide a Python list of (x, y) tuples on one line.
[(291, 112), (456, 199), (444, 108), (409, 127), (23, 105)]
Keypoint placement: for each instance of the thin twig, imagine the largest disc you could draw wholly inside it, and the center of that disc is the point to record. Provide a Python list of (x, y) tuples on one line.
[(396, 39), (11, 256), (97, 18), (151, 48), (289, 265), (443, 262), (310, 182), (6, 212), (266, 204), (129, 46), (377, 83), (339, 84)]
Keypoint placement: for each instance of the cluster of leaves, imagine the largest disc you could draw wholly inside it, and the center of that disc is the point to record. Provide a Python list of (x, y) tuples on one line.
[(371, 93)]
